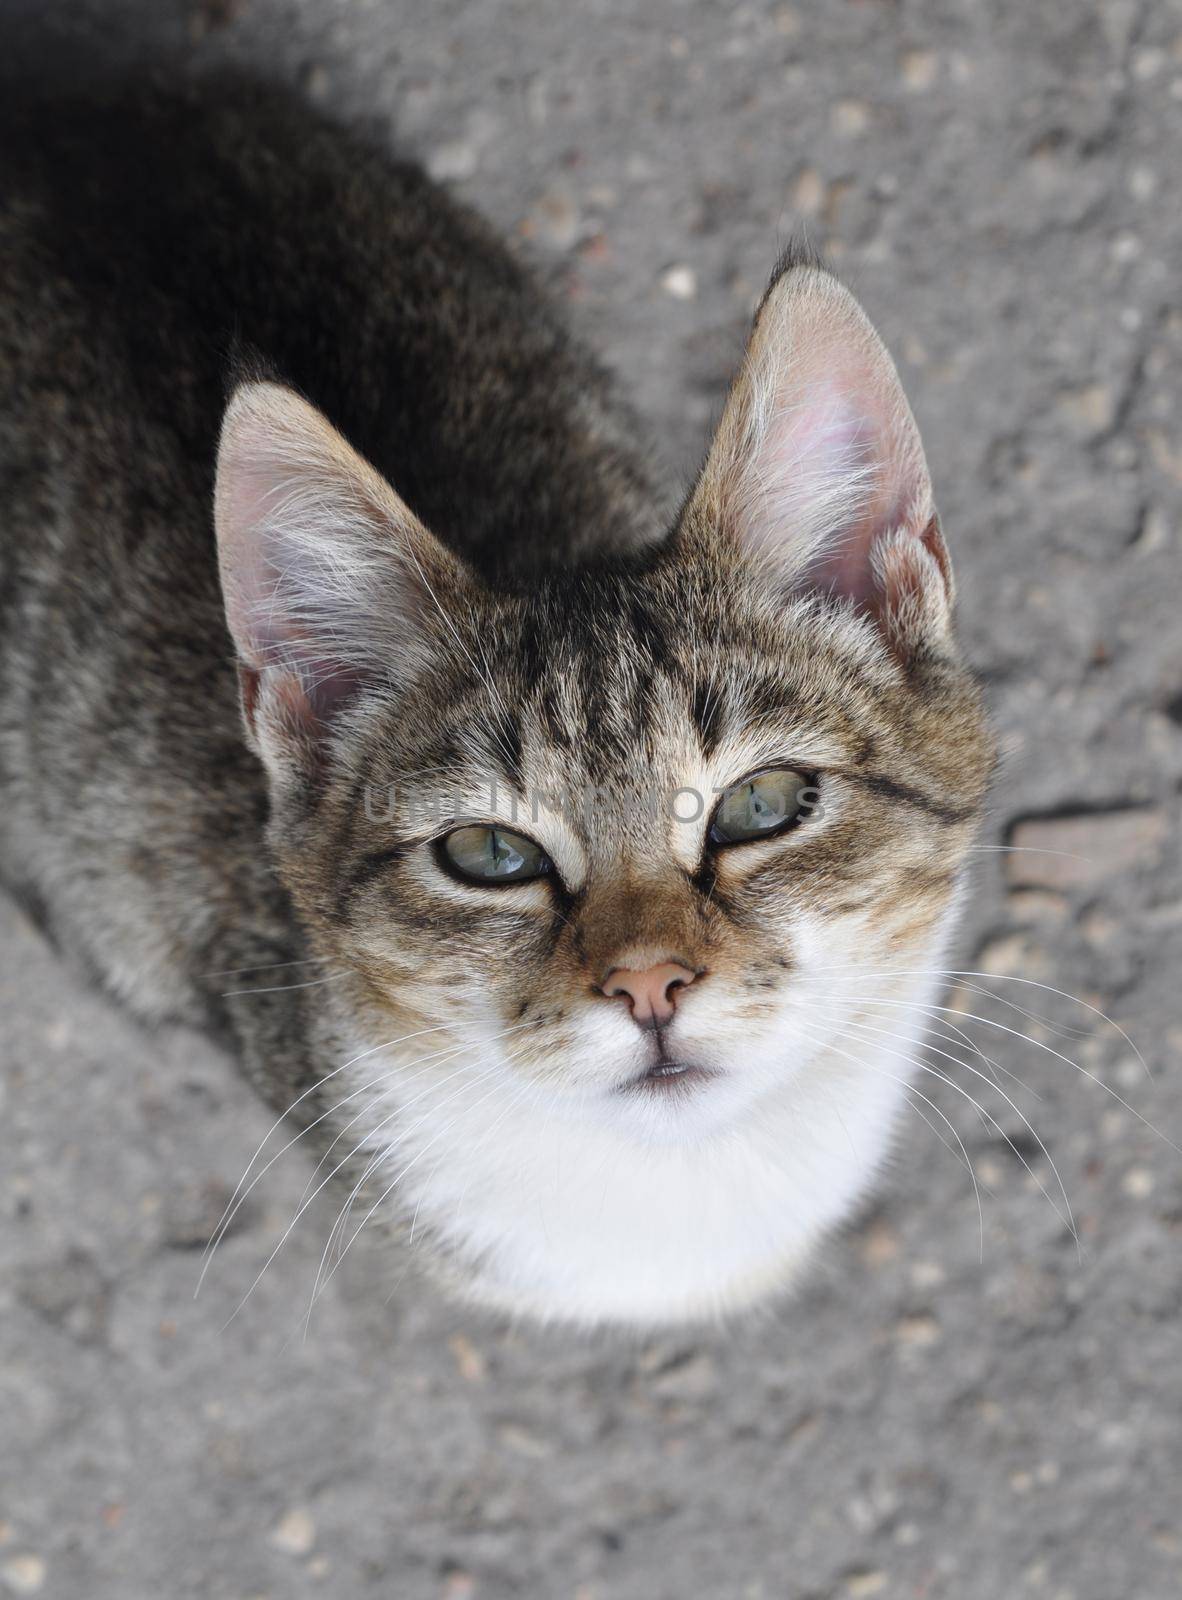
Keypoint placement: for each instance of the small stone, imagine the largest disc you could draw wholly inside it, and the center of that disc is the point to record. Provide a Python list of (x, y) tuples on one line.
[(1138, 1182), (803, 1428), (24, 1574), (1008, 955), (1154, 533), (458, 1585), (470, 1364), (1079, 850), (920, 1330), (1090, 409), (1166, 453), (861, 1584), (1037, 905), (522, 1442), (879, 1244), (1142, 183), (1147, 63), (834, 195), (919, 69), (453, 161), (850, 118), (808, 192), (1099, 929), (316, 82), (691, 1379), (680, 282), (556, 219), (294, 1533), (927, 1275), (1129, 1073)]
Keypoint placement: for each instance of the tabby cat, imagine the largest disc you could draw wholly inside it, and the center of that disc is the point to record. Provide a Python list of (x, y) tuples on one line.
[(345, 647)]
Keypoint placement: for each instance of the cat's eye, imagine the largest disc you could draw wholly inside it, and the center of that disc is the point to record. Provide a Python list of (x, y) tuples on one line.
[(765, 803), (494, 855)]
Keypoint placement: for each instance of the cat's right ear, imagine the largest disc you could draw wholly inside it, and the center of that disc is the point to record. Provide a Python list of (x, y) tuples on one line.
[(331, 585), (817, 469)]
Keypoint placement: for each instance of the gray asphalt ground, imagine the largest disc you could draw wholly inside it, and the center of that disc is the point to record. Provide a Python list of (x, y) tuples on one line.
[(949, 1408)]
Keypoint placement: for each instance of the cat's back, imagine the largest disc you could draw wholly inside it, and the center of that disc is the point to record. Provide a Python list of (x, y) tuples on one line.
[(182, 231)]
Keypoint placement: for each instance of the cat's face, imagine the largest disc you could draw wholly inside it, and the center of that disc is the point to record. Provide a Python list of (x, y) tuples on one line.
[(600, 869), (611, 728)]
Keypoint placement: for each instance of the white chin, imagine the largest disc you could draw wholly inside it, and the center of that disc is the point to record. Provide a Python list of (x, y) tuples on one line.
[(672, 1203)]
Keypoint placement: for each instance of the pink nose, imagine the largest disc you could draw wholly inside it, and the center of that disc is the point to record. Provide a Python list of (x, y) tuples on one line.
[(651, 993)]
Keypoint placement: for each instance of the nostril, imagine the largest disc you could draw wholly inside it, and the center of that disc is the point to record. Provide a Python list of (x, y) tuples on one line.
[(651, 993)]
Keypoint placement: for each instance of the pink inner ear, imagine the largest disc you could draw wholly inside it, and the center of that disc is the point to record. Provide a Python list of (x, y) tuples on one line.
[(841, 464), (328, 685), (267, 581)]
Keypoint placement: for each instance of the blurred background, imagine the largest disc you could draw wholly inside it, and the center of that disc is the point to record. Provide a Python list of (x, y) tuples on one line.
[(957, 1404)]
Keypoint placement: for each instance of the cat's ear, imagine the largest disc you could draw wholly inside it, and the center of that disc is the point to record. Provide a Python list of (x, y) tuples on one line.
[(331, 584), (817, 466)]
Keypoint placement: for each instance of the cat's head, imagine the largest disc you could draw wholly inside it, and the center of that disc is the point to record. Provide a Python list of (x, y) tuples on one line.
[(617, 847)]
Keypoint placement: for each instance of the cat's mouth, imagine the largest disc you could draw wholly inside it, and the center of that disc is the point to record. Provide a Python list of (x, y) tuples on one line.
[(669, 1077)]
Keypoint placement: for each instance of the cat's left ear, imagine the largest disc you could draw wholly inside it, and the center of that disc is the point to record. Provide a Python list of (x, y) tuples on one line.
[(817, 467), (334, 590)]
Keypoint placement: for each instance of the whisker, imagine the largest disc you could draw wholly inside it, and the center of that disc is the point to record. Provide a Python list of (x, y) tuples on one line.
[(1031, 850), (285, 988), (911, 1088), (1063, 1028), (238, 1196), (400, 1137), (404, 1082), (1039, 1044), (997, 977), (345, 1160), (515, 1099), (303, 1207), (231, 1206), (271, 966), (1069, 1220), (324, 1278), (959, 1036), (396, 1071)]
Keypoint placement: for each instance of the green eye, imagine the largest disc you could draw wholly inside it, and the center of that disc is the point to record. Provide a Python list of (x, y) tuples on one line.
[(761, 805), (494, 855)]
